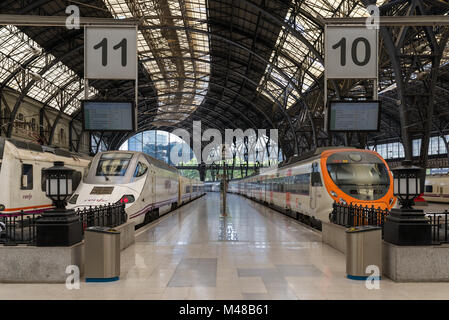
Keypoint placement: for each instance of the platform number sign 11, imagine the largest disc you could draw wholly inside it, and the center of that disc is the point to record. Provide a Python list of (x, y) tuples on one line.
[(351, 52), (110, 52)]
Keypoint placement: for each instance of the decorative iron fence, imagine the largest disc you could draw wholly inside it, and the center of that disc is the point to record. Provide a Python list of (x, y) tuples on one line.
[(18, 229), (21, 228), (103, 216), (439, 226), (349, 215), (353, 215)]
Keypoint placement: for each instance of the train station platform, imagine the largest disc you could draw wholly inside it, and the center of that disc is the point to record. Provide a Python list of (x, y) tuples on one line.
[(254, 253)]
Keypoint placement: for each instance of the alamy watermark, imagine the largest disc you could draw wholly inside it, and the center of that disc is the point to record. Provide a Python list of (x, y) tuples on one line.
[(373, 280), (73, 20), (219, 149), (73, 279), (372, 22)]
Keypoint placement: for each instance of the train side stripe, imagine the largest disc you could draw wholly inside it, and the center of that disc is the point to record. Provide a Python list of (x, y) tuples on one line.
[(28, 208)]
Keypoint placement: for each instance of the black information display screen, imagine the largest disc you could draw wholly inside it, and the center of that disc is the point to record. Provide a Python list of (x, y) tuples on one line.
[(108, 115), (354, 115)]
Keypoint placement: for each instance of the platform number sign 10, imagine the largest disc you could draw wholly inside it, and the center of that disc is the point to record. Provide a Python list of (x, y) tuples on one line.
[(351, 52), (110, 53)]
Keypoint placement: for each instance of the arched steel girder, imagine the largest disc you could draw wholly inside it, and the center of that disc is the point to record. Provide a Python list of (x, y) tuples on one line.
[(220, 86), (201, 106), (286, 77), (36, 4), (29, 61), (208, 119), (119, 139), (220, 116), (232, 91), (63, 107), (222, 68), (297, 34), (291, 30), (63, 87), (31, 83), (280, 53), (18, 70), (274, 99), (61, 111)]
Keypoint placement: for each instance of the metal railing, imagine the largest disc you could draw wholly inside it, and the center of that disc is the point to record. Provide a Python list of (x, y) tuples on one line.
[(18, 229), (353, 215), (21, 228), (103, 216), (439, 226), (349, 215)]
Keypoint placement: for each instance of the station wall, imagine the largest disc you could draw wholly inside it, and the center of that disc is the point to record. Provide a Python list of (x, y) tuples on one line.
[(26, 124)]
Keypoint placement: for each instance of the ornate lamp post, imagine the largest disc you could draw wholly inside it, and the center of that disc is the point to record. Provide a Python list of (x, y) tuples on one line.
[(58, 185), (407, 226), (58, 227)]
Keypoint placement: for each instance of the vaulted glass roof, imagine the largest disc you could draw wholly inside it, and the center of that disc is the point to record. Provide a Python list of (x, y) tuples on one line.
[(177, 59), (293, 57), (24, 63)]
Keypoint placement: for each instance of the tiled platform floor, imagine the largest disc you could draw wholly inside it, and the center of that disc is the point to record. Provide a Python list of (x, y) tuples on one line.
[(254, 253)]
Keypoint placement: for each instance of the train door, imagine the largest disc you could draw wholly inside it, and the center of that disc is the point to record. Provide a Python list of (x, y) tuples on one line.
[(313, 186), (180, 186), (153, 185)]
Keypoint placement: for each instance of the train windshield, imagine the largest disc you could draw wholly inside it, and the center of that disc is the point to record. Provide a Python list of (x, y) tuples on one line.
[(363, 181), (113, 164)]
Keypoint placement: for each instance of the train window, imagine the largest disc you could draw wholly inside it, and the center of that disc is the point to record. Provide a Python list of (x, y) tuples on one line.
[(141, 168), (315, 176), (364, 181), (429, 188), (302, 183), (43, 180), (27, 177), (76, 179), (113, 164), (85, 172)]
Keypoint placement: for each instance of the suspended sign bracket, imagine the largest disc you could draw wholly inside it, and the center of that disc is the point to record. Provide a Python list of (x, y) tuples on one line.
[(351, 52), (110, 53)]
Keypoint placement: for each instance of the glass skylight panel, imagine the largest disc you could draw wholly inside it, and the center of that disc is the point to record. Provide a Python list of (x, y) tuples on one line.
[(17, 48), (171, 43), (290, 49)]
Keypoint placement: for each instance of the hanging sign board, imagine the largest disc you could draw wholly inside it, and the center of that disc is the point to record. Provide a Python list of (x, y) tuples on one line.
[(350, 52), (110, 53), (354, 115), (108, 115)]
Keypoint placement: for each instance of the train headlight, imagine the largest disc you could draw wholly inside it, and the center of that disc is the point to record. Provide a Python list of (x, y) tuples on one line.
[(391, 201), (127, 198), (333, 194), (342, 201), (73, 199)]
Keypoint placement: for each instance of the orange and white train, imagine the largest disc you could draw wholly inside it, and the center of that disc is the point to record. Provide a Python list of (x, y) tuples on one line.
[(306, 189)]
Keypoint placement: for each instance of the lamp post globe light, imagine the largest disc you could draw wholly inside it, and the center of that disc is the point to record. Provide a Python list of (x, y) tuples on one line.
[(58, 227), (58, 183), (406, 184), (406, 225)]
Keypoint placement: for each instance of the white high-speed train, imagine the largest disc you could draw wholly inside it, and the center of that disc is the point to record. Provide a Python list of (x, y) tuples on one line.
[(436, 188), (149, 187), (22, 187), (212, 186), (306, 189)]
